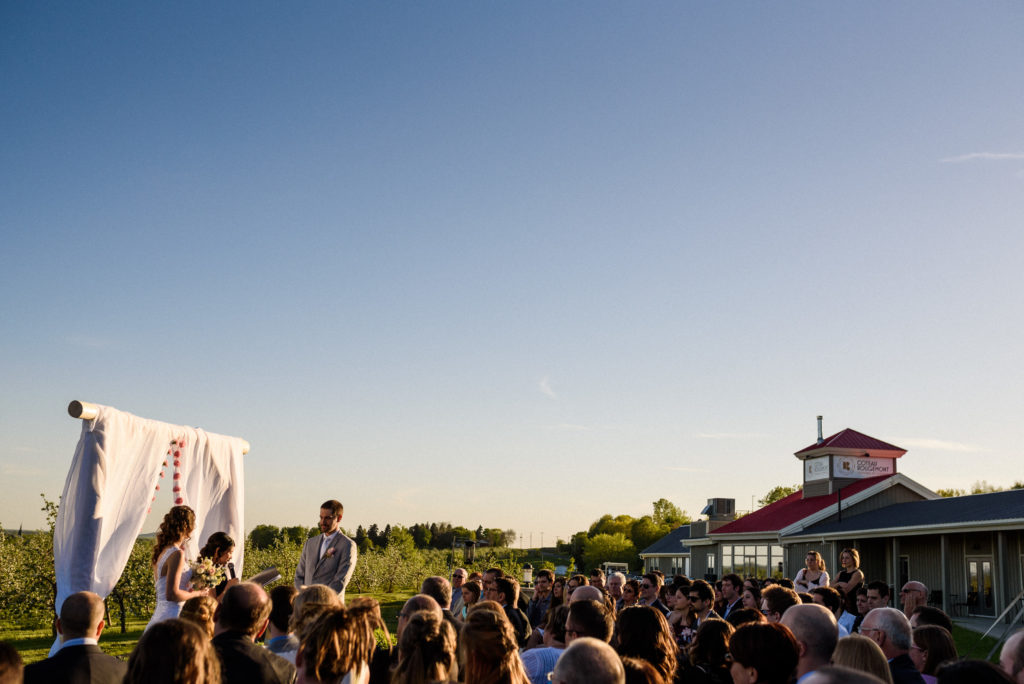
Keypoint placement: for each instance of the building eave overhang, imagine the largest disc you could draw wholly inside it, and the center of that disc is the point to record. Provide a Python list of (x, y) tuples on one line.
[(915, 530)]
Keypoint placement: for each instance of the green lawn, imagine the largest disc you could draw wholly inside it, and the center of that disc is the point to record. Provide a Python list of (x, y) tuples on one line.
[(34, 644)]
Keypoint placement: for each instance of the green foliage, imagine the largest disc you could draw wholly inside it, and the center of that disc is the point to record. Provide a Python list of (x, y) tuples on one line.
[(134, 595), (609, 547), (950, 492), (776, 493), (667, 513), (983, 487), (28, 591)]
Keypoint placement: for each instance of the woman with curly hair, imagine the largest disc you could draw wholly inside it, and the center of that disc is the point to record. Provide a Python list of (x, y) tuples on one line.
[(643, 632), (337, 647), (170, 568), (174, 652), (200, 610), (488, 652), (426, 651)]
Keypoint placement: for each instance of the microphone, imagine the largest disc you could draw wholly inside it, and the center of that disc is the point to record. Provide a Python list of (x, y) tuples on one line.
[(231, 570)]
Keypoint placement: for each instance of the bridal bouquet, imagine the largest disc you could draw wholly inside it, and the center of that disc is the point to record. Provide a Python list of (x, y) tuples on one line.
[(206, 574)]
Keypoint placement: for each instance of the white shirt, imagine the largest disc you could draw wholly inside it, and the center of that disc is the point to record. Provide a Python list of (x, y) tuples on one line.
[(326, 543), (82, 641)]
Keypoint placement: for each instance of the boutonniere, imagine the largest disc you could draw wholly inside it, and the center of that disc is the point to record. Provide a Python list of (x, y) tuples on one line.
[(330, 552)]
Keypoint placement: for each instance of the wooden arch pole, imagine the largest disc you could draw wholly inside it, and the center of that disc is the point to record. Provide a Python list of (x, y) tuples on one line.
[(87, 411)]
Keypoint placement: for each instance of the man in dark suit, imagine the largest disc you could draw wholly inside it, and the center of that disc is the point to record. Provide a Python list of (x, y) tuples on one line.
[(79, 660), (890, 629), (328, 558), (242, 617)]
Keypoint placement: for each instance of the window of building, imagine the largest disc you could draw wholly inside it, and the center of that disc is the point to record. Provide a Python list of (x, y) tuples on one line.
[(753, 560)]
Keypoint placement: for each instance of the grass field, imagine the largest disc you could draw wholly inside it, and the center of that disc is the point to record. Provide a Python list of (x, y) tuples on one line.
[(34, 644)]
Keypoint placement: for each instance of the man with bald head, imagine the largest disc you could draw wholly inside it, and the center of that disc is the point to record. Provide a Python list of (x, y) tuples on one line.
[(79, 658), (912, 595), (890, 629), (587, 593), (1011, 658), (589, 661), (816, 632), (240, 619)]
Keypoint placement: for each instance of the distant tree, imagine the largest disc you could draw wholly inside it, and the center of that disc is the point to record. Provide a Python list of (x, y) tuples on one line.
[(298, 533), (576, 546), (373, 534), (776, 493), (950, 492), (481, 533), (645, 531), (667, 513), (609, 547), (606, 524), (385, 537), (421, 535), (983, 487), (264, 536), (1017, 484), (510, 537)]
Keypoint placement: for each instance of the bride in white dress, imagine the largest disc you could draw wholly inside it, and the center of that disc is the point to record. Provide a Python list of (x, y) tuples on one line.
[(170, 569)]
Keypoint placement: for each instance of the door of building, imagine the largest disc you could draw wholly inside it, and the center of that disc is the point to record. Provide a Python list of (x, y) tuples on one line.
[(979, 586)]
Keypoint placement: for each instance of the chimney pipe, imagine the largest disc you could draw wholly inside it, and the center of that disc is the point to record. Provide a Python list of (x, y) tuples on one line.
[(820, 438)]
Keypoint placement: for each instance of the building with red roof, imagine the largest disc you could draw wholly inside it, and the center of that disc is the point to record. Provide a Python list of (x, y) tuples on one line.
[(968, 549)]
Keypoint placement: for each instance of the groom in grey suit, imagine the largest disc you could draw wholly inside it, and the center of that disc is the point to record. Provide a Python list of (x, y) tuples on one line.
[(328, 558)]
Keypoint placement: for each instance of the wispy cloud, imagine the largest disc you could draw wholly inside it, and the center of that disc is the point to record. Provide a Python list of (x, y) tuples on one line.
[(545, 387), (982, 156), (731, 435), (940, 445)]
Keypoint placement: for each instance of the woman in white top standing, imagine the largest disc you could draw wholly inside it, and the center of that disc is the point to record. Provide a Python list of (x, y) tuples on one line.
[(813, 575), (170, 569)]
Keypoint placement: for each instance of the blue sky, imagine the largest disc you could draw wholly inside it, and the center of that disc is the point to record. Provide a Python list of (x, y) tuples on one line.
[(515, 265)]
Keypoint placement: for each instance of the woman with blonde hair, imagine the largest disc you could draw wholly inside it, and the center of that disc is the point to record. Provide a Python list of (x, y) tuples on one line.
[(174, 651), (812, 575), (200, 610), (170, 567), (850, 578), (310, 603), (861, 653), (489, 653), (426, 651), (337, 646)]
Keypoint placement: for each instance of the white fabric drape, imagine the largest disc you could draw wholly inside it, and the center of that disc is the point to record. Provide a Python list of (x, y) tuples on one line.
[(111, 482)]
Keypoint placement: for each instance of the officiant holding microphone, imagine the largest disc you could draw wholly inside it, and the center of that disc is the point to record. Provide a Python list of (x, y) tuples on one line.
[(328, 558)]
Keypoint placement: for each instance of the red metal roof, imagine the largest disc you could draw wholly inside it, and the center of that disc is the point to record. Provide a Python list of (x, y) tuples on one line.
[(793, 508), (851, 439)]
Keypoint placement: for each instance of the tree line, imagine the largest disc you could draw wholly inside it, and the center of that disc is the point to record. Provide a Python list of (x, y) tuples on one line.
[(393, 559)]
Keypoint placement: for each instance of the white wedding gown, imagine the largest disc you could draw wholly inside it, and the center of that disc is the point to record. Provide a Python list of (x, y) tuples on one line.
[(165, 609)]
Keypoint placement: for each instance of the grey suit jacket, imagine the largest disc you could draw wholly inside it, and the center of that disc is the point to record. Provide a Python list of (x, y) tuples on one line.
[(334, 569), (85, 664)]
